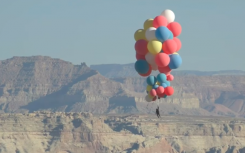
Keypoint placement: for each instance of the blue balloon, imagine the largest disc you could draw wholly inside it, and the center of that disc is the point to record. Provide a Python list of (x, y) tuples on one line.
[(167, 83), (165, 96), (171, 36), (155, 86), (161, 51), (164, 85), (141, 66), (175, 61), (162, 33), (161, 77), (151, 80)]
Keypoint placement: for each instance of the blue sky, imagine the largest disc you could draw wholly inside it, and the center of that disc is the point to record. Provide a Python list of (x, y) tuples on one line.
[(102, 32)]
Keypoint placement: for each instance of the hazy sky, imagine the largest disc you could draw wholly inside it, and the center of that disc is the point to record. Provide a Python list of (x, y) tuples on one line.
[(102, 31)]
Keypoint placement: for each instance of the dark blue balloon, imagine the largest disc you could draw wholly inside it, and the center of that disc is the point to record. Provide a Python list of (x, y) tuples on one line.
[(171, 36), (164, 85), (167, 83), (151, 80), (175, 61), (162, 33), (155, 86), (161, 77), (141, 66)]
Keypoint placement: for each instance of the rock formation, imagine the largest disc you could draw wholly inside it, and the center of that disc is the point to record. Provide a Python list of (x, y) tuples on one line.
[(48, 132), (42, 83)]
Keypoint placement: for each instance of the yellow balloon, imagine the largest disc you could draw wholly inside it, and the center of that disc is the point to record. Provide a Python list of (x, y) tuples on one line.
[(148, 88), (139, 34), (158, 83), (154, 47), (175, 53), (148, 23)]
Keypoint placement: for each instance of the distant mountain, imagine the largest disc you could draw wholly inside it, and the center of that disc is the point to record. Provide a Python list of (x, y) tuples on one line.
[(35, 83), (127, 70)]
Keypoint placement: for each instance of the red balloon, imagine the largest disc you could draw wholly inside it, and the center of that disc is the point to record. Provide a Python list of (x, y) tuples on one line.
[(160, 21), (169, 46), (154, 99), (162, 95), (170, 77), (169, 91), (140, 57), (141, 47), (178, 43), (153, 92), (175, 27), (162, 59), (166, 70), (160, 90), (148, 73)]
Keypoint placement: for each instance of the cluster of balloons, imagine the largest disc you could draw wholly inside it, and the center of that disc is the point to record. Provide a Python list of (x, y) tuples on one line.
[(157, 45), (158, 87)]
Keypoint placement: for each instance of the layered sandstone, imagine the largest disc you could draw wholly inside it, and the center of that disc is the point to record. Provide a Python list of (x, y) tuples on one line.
[(42, 83), (224, 93), (86, 133)]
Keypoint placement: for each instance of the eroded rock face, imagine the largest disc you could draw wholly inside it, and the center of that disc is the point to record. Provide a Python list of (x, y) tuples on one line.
[(42, 83), (84, 132), (222, 95)]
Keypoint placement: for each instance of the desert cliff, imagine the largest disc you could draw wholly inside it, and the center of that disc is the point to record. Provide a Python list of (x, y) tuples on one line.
[(42, 83), (48, 132)]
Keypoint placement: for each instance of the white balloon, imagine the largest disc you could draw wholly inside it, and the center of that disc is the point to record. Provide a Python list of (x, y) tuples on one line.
[(150, 58), (147, 98), (169, 15), (150, 34)]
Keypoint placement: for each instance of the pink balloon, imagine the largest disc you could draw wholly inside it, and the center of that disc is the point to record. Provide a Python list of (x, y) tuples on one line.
[(170, 77), (160, 90), (175, 28), (162, 59), (166, 70), (169, 46), (141, 47), (154, 99), (160, 21), (178, 43), (153, 92)]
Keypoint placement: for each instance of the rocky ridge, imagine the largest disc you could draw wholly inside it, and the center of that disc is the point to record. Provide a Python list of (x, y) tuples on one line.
[(128, 70), (62, 132), (34, 83)]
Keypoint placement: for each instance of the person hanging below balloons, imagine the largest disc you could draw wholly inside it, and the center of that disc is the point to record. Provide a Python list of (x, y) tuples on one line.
[(157, 49), (157, 112)]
